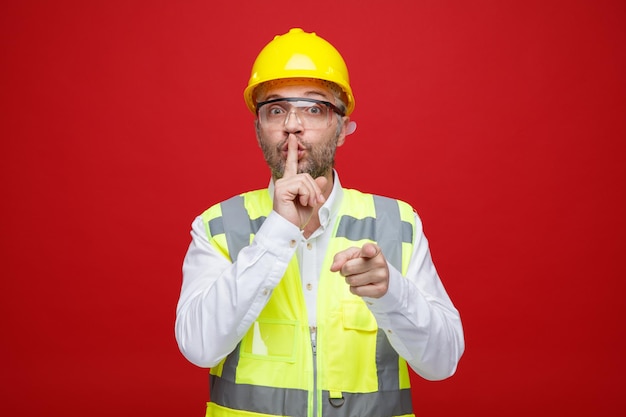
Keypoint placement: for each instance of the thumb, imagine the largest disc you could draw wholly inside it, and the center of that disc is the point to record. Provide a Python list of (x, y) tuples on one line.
[(370, 250)]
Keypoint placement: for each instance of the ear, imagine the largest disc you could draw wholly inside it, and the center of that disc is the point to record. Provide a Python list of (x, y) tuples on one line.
[(347, 129)]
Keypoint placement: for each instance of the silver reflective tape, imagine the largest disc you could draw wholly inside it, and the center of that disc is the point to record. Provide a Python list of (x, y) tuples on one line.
[(216, 226), (387, 365), (357, 229), (389, 229), (259, 399), (293, 402), (407, 232), (229, 370), (236, 224)]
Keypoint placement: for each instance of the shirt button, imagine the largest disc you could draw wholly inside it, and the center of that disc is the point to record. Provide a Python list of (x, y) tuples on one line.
[(309, 287), (265, 291), (309, 246), (292, 243), (389, 331)]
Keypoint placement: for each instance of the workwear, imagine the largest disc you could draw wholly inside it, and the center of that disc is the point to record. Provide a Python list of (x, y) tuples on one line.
[(346, 365), (298, 54), (309, 112)]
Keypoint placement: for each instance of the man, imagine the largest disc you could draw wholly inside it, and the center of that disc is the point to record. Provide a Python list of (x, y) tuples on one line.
[(307, 299)]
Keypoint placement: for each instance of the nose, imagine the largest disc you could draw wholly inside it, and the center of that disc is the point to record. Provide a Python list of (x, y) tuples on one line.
[(293, 124)]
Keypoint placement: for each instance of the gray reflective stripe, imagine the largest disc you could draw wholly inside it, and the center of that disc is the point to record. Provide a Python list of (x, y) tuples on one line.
[(407, 232), (216, 226), (387, 365), (371, 404), (357, 229), (229, 370), (259, 399), (383, 229), (387, 402), (234, 218), (388, 224), (256, 224), (293, 402), (237, 225)]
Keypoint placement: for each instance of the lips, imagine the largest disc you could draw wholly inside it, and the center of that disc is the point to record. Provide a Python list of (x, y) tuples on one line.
[(284, 149), (301, 152)]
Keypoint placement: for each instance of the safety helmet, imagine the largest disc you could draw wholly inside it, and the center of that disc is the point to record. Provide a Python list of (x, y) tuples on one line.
[(298, 54)]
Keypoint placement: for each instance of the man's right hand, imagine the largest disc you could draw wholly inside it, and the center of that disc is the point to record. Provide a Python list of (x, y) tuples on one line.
[(296, 196)]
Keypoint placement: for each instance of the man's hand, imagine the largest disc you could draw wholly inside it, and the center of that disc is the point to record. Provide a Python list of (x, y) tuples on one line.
[(297, 195), (365, 270)]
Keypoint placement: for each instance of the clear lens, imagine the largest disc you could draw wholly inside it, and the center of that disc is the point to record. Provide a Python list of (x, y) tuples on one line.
[(310, 113)]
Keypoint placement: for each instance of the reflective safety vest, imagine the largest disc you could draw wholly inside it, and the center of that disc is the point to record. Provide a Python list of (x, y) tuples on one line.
[(345, 368)]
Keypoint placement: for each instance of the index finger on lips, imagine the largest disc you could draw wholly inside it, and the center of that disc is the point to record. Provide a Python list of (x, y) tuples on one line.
[(291, 165)]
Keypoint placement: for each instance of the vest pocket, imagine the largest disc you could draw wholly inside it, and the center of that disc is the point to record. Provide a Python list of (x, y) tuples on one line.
[(356, 316), (272, 340), (350, 364)]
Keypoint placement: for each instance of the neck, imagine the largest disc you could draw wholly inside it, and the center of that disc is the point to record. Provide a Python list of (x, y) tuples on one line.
[(330, 182), (311, 226)]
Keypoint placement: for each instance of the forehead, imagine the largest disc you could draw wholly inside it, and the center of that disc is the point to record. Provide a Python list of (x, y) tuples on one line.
[(300, 87)]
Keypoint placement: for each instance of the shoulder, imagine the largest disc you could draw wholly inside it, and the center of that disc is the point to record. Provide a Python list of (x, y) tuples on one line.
[(352, 195), (236, 201), (360, 204)]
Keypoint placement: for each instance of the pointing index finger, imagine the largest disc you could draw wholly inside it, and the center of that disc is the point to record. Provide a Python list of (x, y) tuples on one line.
[(344, 256)]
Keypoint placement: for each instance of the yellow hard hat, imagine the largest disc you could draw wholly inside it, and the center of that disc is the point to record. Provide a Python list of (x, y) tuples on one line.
[(298, 54)]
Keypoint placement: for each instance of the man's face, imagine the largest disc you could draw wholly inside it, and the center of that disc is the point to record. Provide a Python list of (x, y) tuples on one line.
[(316, 146)]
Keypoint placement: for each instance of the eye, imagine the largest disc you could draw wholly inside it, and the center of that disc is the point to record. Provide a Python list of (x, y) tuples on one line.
[(275, 110), (315, 110)]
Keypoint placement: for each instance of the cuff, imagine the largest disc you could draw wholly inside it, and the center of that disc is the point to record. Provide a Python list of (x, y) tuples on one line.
[(392, 300), (278, 235)]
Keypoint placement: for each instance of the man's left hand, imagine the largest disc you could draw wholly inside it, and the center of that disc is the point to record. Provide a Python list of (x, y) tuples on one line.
[(365, 270)]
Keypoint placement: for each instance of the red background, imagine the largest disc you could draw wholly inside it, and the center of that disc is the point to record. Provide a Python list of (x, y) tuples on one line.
[(502, 122)]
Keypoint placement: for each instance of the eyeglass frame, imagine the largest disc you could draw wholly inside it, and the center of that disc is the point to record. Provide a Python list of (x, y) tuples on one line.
[(328, 104)]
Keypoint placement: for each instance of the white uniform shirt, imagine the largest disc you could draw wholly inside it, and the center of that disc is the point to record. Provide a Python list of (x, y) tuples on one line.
[(220, 300)]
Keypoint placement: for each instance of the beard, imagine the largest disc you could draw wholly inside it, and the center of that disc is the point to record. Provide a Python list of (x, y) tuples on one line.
[(318, 161)]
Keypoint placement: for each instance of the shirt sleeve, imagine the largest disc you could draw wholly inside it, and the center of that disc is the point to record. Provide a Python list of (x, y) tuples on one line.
[(418, 317), (220, 300)]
